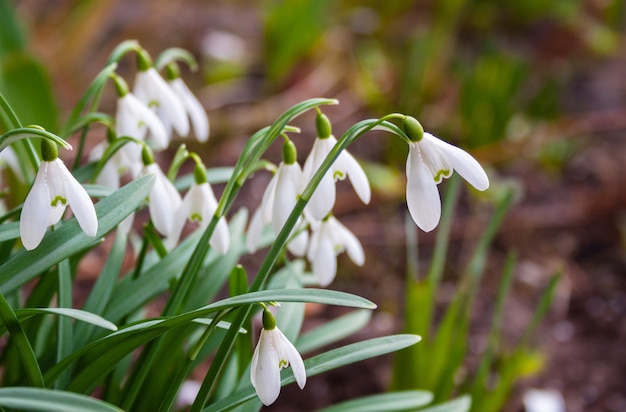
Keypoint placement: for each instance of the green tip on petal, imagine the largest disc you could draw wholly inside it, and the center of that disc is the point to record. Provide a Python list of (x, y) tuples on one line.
[(323, 126), (413, 128), (146, 155), (269, 322), (49, 150), (144, 62), (290, 153), (199, 174)]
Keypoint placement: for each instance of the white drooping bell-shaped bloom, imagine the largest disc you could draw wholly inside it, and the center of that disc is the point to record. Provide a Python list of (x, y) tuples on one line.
[(163, 200), (193, 107), (328, 240), (133, 118), (430, 160), (323, 199), (273, 353), (278, 201), (53, 190), (157, 94), (199, 205)]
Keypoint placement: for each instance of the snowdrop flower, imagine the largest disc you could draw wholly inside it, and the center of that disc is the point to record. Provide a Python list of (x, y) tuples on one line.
[(54, 189), (154, 91), (193, 107), (199, 205), (134, 119), (278, 201), (163, 200), (431, 160), (327, 241), (543, 400), (323, 199), (273, 353)]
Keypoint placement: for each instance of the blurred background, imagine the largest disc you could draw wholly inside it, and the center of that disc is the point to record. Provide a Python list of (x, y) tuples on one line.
[(534, 89)]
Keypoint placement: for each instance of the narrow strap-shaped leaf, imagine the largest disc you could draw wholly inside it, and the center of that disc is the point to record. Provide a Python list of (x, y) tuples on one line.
[(101, 292), (70, 239), (47, 400), (324, 362), (64, 334), (333, 331), (389, 402), (31, 366), (91, 318), (461, 404), (103, 354)]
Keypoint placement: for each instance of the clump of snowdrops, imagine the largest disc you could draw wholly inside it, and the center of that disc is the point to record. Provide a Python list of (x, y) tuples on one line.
[(89, 358)]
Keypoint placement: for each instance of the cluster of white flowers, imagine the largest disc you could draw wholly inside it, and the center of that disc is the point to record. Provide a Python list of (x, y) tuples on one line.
[(146, 120), (151, 113)]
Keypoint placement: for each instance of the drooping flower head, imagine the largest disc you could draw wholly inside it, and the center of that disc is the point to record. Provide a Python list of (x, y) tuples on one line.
[(191, 104), (199, 205), (278, 201), (323, 199), (329, 239), (154, 92), (163, 200), (53, 190), (431, 160), (273, 353)]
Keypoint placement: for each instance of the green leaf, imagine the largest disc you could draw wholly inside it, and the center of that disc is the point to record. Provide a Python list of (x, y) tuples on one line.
[(102, 355), (461, 404), (23, 314), (389, 402), (26, 85), (69, 238), (9, 231), (324, 362), (333, 331), (47, 400)]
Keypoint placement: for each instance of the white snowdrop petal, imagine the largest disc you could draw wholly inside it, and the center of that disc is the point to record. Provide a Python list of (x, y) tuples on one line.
[(220, 240), (324, 263), (422, 195), (465, 165), (81, 203), (289, 178), (267, 202), (357, 177), (287, 351), (127, 121), (353, 247), (197, 115), (298, 243), (170, 106), (267, 380), (323, 199), (180, 216), (164, 201), (254, 231), (148, 119), (34, 216)]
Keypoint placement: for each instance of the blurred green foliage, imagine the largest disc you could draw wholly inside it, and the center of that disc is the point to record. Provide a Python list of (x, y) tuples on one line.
[(24, 82)]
